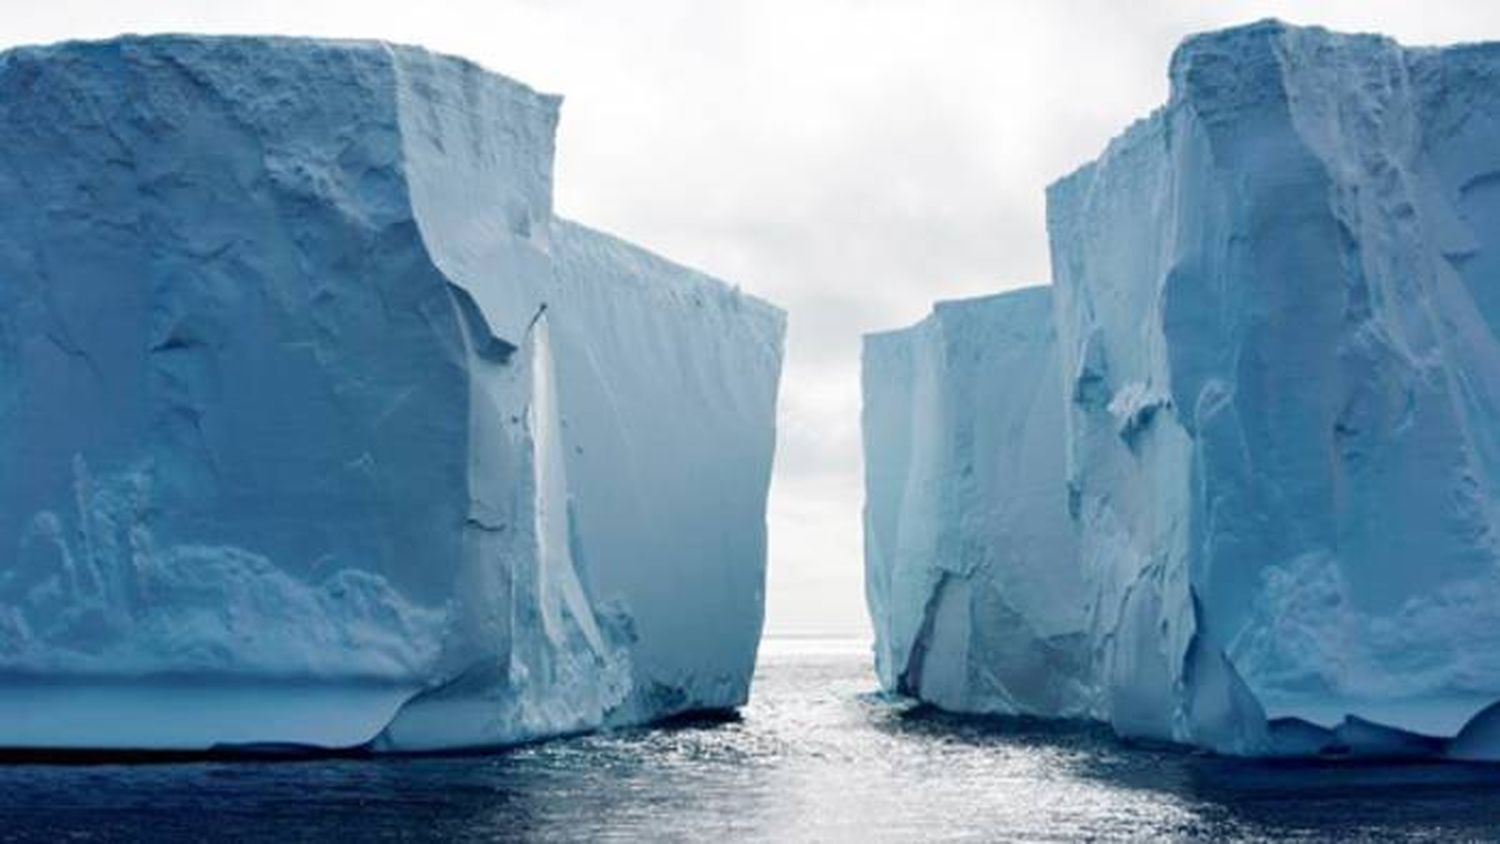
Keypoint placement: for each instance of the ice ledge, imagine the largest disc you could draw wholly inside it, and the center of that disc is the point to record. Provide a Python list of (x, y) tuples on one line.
[(129, 714)]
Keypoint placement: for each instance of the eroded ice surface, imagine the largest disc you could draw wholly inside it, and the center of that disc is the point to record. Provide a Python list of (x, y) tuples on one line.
[(1275, 306), (307, 398), (1276, 309)]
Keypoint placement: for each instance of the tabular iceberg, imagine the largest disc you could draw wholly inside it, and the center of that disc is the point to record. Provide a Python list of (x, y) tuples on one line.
[(971, 562), (1277, 339), (318, 428)]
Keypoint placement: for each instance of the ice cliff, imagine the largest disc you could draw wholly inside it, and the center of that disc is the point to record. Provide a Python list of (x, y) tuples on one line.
[(317, 427), (971, 563), (1276, 311)]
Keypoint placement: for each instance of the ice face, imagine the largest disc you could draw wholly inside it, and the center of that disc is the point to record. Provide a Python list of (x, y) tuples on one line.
[(1280, 372), (1274, 319), (316, 425), (972, 567)]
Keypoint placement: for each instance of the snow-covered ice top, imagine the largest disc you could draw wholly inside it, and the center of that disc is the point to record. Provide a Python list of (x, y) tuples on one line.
[(309, 404)]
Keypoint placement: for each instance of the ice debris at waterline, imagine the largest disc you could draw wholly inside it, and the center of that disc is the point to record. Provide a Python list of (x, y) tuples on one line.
[(1276, 307), (317, 427)]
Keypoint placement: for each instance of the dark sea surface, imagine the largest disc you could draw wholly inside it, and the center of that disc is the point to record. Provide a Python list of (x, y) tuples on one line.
[(815, 756)]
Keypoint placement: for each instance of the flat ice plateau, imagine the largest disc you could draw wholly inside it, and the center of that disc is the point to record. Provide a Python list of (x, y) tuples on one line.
[(317, 427), (1276, 310)]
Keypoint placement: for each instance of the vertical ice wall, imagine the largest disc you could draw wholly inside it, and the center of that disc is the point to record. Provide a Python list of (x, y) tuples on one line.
[(297, 384), (667, 385), (971, 563), (1277, 335)]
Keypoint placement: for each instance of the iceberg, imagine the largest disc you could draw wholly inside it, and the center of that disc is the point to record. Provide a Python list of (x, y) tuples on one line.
[(1279, 368), (972, 566), (318, 427), (1278, 340)]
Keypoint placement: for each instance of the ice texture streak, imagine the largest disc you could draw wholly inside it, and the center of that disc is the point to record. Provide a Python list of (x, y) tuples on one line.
[(318, 427), (1278, 359)]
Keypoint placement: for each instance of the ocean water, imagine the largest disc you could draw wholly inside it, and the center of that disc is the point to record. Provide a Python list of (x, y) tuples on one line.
[(815, 756)]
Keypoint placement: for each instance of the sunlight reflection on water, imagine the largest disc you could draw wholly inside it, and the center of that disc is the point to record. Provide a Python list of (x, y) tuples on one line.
[(815, 756)]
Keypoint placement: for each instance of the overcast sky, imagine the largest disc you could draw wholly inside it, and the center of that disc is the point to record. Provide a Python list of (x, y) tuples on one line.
[(849, 160)]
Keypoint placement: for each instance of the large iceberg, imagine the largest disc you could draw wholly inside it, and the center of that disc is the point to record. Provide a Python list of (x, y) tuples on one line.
[(318, 428), (1277, 301)]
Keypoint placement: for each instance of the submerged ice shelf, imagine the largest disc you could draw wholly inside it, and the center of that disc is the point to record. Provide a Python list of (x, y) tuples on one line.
[(318, 427), (1277, 385)]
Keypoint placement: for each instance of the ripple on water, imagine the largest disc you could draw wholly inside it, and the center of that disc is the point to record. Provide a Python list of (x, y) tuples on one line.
[(814, 756)]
